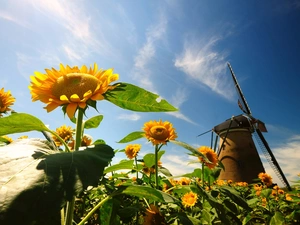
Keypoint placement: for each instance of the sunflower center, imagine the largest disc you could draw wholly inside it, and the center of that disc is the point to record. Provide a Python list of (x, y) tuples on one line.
[(74, 83), (159, 133)]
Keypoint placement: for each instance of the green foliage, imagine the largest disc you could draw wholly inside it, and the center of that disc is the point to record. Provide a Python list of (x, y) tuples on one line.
[(132, 137), (20, 122), (93, 122), (128, 96)]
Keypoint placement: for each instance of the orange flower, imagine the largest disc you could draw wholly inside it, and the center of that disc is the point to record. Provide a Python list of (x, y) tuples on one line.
[(189, 199), (65, 132), (71, 87), (6, 100), (159, 132), (210, 155), (153, 216), (265, 178), (85, 141), (7, 140), (132, 150)]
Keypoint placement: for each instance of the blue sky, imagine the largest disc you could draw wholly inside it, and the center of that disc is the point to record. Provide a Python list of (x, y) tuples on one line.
[(177, 49)]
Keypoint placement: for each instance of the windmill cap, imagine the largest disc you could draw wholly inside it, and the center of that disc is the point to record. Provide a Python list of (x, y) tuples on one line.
[(236, 122)]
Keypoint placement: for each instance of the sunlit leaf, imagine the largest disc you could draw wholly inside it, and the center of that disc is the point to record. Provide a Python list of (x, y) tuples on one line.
[(148, 193), (128, 164), (128, 96), (277, 219), (41, 179), (194, 151), (132, 137), (20, 122), (149, 159), (93, 122)]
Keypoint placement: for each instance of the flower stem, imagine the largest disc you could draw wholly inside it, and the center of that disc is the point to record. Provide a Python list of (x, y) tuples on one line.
[(93, 210), (156, 166), (136, 167), (203, 181), (78, 136), (60, 139)]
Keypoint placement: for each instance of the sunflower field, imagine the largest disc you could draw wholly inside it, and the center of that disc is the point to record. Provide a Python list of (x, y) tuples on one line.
[(67, 178)]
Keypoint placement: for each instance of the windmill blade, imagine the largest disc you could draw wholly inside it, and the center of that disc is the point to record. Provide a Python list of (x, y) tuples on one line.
[(271, 158), (242, 100)]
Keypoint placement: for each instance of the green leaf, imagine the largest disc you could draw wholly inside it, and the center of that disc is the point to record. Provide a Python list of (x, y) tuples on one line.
[(128, 96), (132, 137), (106, 212), (148, 193), (164, 171), (98, 142), (149, 159), (41, 180), (234, 196), (20, 122), (194, 151), (277, 219), (93, 122), (128, 164)]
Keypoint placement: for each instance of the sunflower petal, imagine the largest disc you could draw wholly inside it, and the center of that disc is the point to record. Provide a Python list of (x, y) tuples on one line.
[(82, 105), (75, 98), (51, 106), (97, 96), (71, 109)]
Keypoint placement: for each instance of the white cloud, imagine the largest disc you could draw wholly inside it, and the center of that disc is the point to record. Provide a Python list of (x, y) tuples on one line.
[(132, 117), (205, 65), (178, 165), (147, 52), (288, 157), (14, 19), (178, 98), (79, 39)]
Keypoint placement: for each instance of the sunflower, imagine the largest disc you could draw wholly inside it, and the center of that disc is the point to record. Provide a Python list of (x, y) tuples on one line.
[(159, 132), (265, 178), (7, 139), (210, 155), (71, 87), (65, 132), (6, 100), (132, 150), (153, 216), (189, 199), (85, 141)]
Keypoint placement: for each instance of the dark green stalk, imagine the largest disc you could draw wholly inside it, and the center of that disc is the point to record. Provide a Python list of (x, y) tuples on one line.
[(156, 166), (78, 136)]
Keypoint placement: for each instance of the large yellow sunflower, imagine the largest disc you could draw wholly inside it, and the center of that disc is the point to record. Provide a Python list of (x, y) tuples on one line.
[(71, 87), (210, 155), (159, 132), (6, 100)]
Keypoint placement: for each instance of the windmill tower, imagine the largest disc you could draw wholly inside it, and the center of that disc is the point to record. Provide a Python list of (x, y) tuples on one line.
[(237, 150)]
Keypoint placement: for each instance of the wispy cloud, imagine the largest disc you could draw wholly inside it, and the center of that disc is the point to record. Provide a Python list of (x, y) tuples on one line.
[(76, 22), (206, 65), (288, 157), (178, 98), (131, 117), (10, 17), (147, 52), (178, 165)]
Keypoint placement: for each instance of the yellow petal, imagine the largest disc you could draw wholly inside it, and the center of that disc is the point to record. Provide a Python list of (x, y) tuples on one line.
[(71, 109), (97, 96), (50, 107), (82, 105), (75, 98), (87, 94), (64, 98)]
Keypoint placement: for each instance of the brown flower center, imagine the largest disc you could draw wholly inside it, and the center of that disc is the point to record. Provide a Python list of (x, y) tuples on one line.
[(159, 133), (74, 83)]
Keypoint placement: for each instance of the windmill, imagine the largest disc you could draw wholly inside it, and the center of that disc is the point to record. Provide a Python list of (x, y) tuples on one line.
[(237, 150)]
